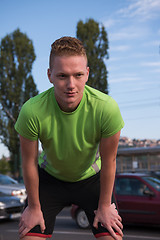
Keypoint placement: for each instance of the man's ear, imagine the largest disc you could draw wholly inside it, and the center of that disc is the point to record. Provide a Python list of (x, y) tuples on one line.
[(87, 73), (49, 75)]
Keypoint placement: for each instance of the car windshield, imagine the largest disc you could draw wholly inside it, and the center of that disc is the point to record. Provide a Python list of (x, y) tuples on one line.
[(153, 181), (6, 180), (3, 194)]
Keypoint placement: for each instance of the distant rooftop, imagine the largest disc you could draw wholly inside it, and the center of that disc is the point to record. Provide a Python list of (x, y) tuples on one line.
[(138, 151)]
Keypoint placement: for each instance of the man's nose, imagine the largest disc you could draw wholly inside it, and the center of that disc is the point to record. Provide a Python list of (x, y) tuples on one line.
[(71, 82)]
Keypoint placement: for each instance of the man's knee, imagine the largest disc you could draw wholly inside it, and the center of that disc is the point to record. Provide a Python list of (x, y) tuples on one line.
[(32, 238), (109, 238)]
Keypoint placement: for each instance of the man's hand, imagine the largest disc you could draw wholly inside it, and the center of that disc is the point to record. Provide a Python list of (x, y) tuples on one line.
[(109, 218), (29, 219)]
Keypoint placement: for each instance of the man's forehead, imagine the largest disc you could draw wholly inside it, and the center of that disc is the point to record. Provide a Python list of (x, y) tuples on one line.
[(72, 61), (65, 56)]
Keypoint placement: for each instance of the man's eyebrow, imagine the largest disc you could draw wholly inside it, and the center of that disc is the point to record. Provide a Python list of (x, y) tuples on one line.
[(66, 74), (61, 73), (80, 72)]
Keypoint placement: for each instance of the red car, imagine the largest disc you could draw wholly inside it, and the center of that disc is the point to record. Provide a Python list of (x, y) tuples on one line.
[(138, 199)]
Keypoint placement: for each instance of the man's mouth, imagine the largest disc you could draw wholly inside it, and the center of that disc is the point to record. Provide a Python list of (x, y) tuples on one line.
[(70, 94)]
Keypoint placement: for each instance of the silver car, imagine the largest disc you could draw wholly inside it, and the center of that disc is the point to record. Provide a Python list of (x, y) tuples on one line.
[(11, 187), (10, 207)]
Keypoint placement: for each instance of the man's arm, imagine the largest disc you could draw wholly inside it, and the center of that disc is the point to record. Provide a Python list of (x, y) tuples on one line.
[(32, 215), (106, 213)]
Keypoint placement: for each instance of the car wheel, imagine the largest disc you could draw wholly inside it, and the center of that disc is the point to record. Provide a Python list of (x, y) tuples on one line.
[(81, 219)]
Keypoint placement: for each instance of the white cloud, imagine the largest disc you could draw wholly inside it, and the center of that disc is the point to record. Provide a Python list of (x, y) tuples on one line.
[(124, 79), (130, 32), (122, 34), (109, 23), (120, 48), (131, 17), (157, 70), (154, 67), (145, 9), (152, 43), (113, 59), (151, 64), (142, 55)]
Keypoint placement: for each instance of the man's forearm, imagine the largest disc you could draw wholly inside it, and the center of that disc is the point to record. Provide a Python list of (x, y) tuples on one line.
[(107, 178), (29, 151), (31, 181), (106, 213), (108, 152)]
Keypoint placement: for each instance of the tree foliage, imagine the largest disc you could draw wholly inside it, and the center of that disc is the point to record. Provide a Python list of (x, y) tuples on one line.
[(16, 86), (4, 165), (95, 40)]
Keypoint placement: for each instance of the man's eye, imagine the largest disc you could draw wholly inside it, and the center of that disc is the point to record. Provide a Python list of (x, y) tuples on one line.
[(62, 76), (79, 75)]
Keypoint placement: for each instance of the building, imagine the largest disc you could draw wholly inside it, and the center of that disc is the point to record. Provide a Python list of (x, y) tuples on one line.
[(138, 159)]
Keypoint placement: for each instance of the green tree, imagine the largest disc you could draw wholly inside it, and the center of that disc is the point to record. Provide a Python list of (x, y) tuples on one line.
[(16, 86), (95, 40), (4, 165)]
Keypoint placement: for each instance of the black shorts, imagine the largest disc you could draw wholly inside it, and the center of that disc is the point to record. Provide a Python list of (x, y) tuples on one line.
[(55, 194)]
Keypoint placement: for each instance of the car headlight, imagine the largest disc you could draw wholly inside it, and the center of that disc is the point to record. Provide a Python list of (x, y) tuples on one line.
[(2, 204), (22, 201), (16, 193)]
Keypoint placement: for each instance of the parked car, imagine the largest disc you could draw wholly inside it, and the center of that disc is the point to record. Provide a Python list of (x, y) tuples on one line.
[(79, 216), (10, 207), (156, 173), (11, 187), (137, 197)]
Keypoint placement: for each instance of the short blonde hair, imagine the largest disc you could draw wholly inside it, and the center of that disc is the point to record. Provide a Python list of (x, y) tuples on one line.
[(66, 46)]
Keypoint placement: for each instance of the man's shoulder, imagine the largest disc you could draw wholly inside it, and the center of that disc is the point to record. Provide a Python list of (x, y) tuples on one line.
[(96, 95), (40, 98)]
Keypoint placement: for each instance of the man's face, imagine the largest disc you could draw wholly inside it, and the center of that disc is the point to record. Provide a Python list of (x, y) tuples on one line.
[(68, 75)]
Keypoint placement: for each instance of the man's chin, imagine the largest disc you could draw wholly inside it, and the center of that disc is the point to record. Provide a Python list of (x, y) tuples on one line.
[(70, 106)]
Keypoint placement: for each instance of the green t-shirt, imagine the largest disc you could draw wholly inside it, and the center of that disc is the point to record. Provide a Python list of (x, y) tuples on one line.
[(70, 139)]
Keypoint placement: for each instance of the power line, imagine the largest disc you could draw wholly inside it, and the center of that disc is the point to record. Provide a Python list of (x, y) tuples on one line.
[(141, 105), (135, 90), (140, 100), (138, 118)]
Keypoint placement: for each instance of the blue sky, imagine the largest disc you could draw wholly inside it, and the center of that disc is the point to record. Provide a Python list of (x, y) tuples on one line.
[(133, 28)]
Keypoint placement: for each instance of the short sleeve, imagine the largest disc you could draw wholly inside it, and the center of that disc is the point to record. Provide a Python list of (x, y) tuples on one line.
[(112, 121), (27, 123)]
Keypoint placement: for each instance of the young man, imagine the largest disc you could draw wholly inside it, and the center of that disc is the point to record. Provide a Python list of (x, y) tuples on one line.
[(72, 121)]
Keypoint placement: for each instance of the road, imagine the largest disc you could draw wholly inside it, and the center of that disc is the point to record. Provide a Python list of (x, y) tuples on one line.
[(66, 229)]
